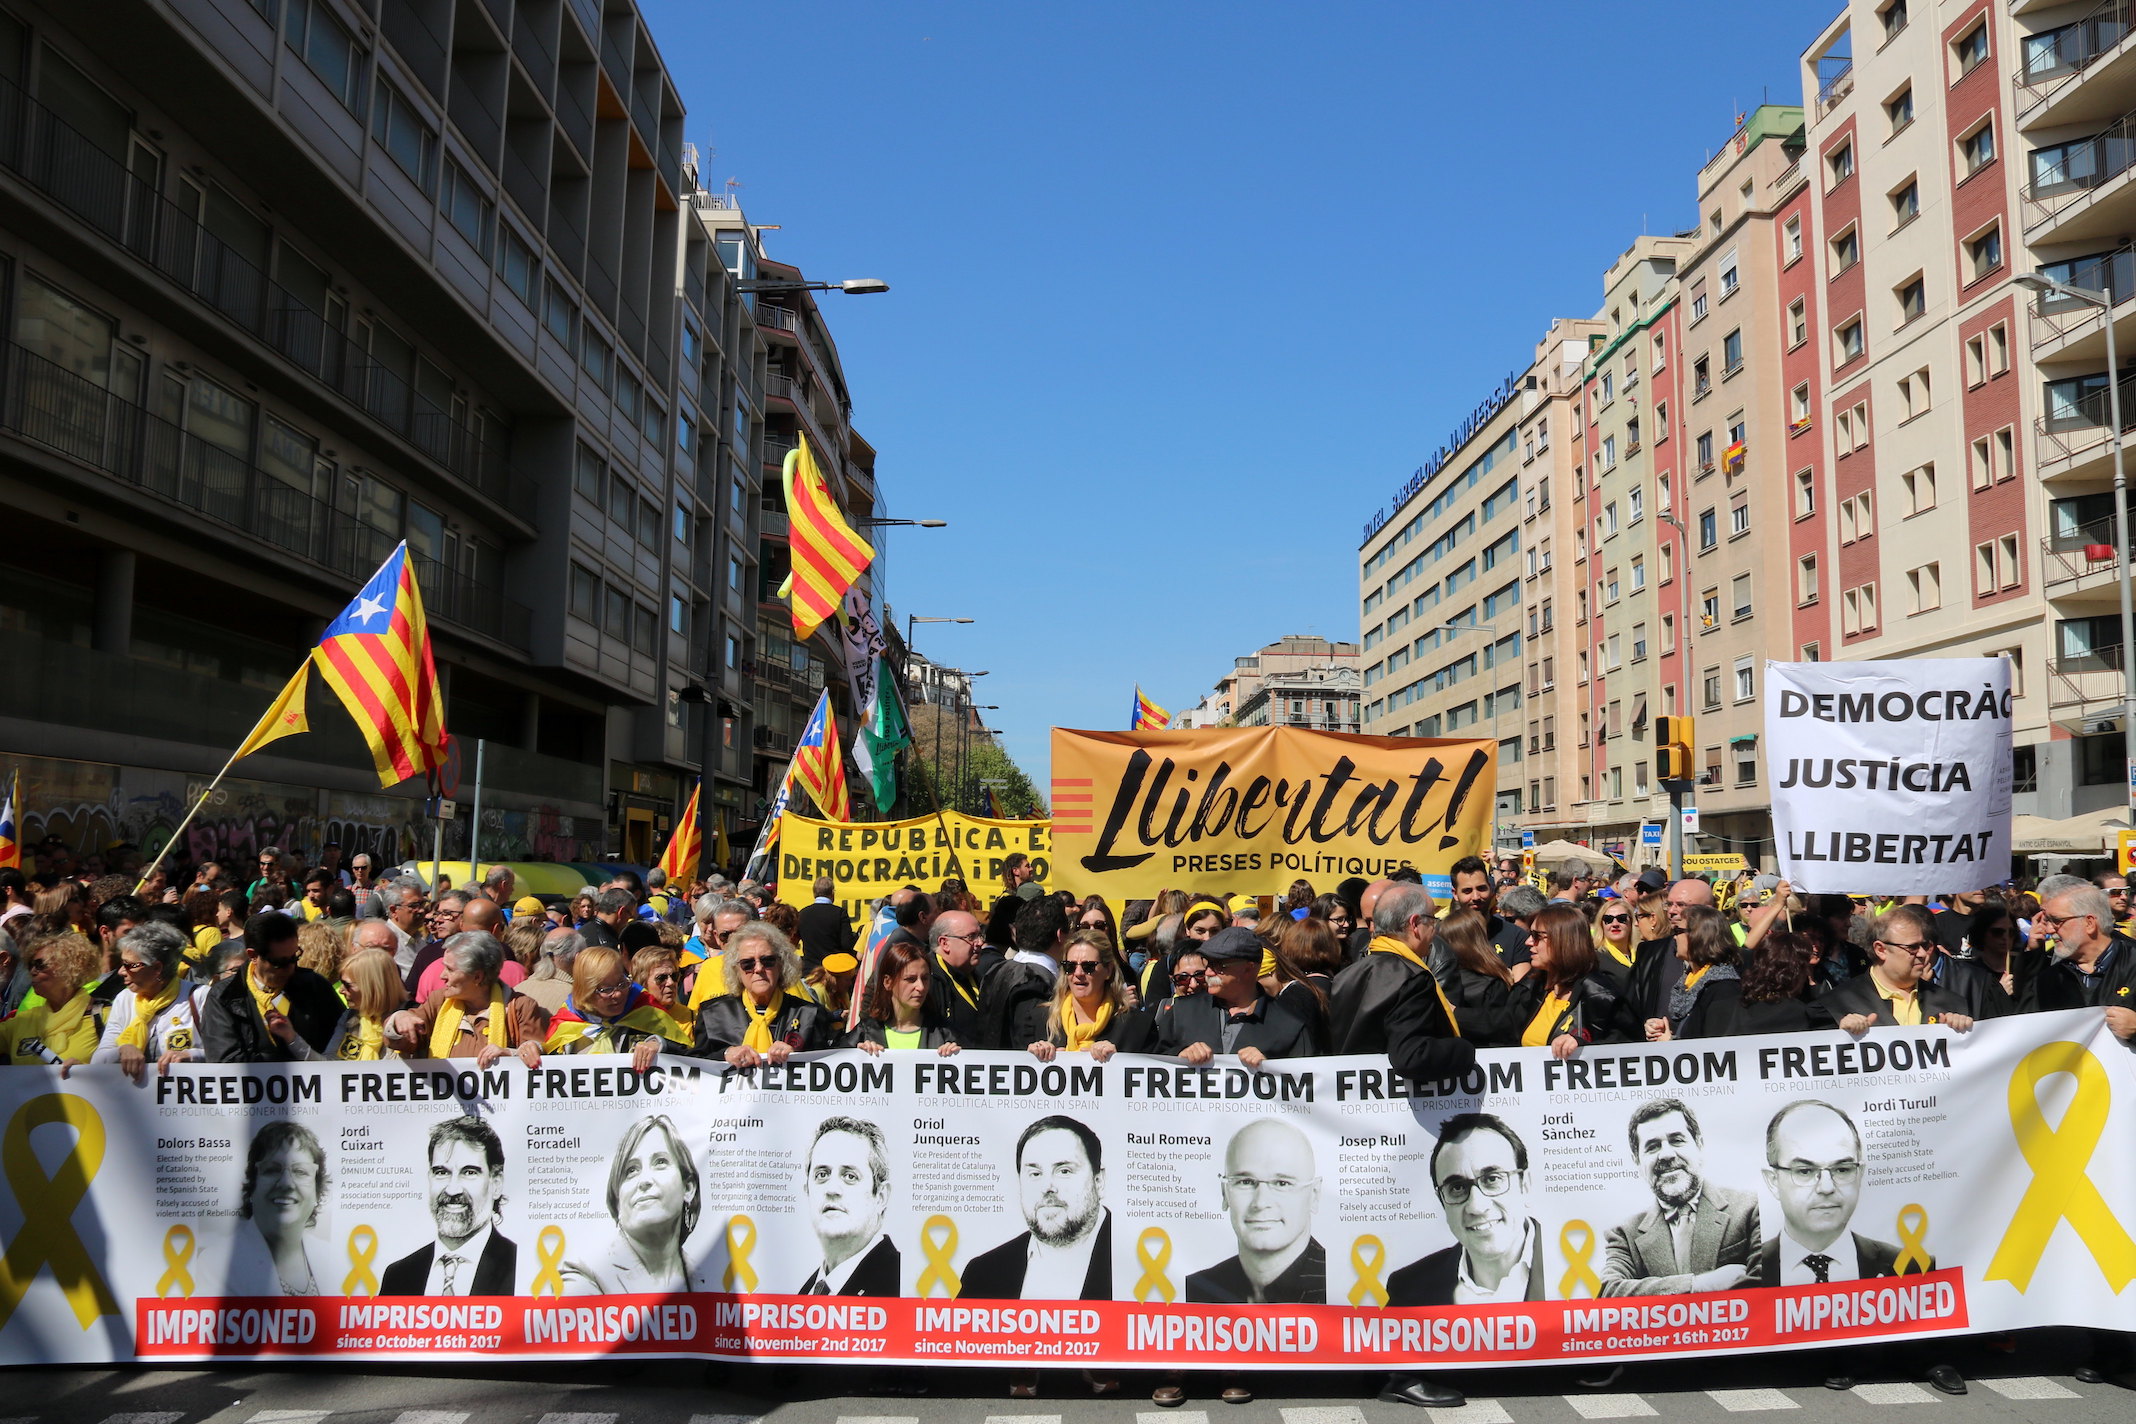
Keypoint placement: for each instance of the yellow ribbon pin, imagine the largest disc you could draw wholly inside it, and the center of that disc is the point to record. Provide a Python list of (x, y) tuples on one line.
[(741, 1240), (2058, 1157), (363, 1250), (1367, 1255), (47, 1237), (1577, 1240), (549, 1246), (938, 1241), (177, 1253), (1153, 1252), (1913, 1241)]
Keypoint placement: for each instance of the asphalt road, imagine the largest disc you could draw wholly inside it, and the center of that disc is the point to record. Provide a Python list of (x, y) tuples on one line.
[(2030, 1383)]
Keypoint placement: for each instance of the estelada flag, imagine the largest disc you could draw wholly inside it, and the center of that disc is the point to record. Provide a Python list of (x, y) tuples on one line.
[(376, 657), (828, 556), (1148, 716), (679, 861), (818, 765), (10, 832)]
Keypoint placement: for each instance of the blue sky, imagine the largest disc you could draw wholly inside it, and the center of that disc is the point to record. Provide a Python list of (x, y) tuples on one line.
[(1181, 292)]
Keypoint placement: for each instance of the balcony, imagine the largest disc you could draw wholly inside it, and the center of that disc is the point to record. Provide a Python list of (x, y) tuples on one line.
[(2081, 190), (2070, 576), (71, 416), (2071, 441), (2082, 688), (1835, 81), (2075, 73), (2064, 329), (771, 318), (93, 187)]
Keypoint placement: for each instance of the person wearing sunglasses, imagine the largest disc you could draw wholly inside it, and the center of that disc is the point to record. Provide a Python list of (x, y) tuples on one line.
[(1895, 991), (58, 1026), (152, 1018), (275, 1011), (898, 1011), (1090, 1012), (1617, 939), (768, 1016), (608, 1013), (1234, 1017), (1564, 1001)]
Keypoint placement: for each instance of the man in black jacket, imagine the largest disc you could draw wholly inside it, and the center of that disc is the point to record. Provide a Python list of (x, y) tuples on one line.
[(826, 928), (1474, 890), (1013, 1011), (1404, 923), (1234, 1017), (273, 1012), (2090, 966), (955, 994), (1060, 1183), (1903, 942)]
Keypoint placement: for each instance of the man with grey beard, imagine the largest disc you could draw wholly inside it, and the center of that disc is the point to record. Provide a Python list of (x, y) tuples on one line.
[(1060, 1184), (465, 1188)]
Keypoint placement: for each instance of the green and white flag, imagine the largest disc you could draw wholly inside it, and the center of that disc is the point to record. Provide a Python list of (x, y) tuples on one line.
[(883, 734)]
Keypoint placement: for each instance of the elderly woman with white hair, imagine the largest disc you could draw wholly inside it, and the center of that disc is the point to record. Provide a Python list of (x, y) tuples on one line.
[(152, 1018), (769, 1016), (472, 1013)]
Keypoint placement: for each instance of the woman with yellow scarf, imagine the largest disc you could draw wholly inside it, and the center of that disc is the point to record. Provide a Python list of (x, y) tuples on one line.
[(371, 983), (61, 1028), (471, 1014), (153, 1015), (1565, 1000), (896, 1014), (607, 1013), (769, 1018), (1089, 1012)]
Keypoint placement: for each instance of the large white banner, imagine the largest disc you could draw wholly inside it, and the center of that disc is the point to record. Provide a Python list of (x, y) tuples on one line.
[(1890, 777), (988, 1208)]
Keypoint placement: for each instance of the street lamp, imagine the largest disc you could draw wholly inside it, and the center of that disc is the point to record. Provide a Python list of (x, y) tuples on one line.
[(901, 523), (852, 286), (2104, 301), (1498, 707), (1677, 848)]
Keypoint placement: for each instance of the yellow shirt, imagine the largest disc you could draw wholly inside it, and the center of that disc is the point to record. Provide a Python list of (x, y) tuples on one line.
[(311, 911), (711, 982), (69, 1032), (1539, 1032), (1905, 1003)]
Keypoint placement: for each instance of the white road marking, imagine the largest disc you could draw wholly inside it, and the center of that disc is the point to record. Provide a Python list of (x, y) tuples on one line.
[(1476, 1411), (1899, 1392), (1323, 1416), (1174, 1416), (152, 1417), (1750, 1401), (1609, 1406), (578, 1419), (1023, 1419), (2030, 1387)]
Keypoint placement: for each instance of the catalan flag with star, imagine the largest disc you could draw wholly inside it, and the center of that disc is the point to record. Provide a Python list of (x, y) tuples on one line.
[(819, 766), (828, 556), (376, 657), (1149, 717)]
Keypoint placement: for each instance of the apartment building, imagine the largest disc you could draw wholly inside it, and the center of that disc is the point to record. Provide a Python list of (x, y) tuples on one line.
[(1295, 660), (1319, 697), (286, 284)]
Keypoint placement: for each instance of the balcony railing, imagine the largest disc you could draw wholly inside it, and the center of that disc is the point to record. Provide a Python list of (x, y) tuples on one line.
[(2055, 318), (777, 318), (2078, 427), (2086, 166), (48, 405), (2082, 683), (2063, 559), (45, 152), (1835, 81), (2058, 58)]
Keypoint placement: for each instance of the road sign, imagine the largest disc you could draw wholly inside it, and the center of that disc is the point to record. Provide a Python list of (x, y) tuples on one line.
[(1690, 820), (2125, 851), (449, 771), (1527, 840), (447, 808), (1650, 835)]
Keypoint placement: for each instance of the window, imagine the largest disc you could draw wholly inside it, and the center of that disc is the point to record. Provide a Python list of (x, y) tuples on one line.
[(1913, 395), (1701, 377), (1847, 342), (1609, 452), (1710, 688), (401, 132), (1861, 424), (1806, 579), (587, 476), (1971, 50), (1660, 358), (641, 628), (1920, 487), (1611, 586), (1983, 254), (1709, 608), (557, 312), (1668, 561), (734, 573), (1798, 323), (1857, 612), (1709, 529), (1798, 407), (1839, 163), (1609, 387), (648, 523), (1982, 463), (1739, 518), (597, 359), (1638, 572), (1668, 634), (1661, 422), (1611, 658), (622, 504), (615, 613), (1805, 493), (1977, 149), (1976, 361), (2007, 571), (1998, 349), (1745, 748), (1698, 308), (2005, 451), (1730, 279), (518, 265), (1791, 236), (1905, 203), (1856, 518), (1636, 505), (1912, 297), (1899, 108), (679, 616), (682, 524), (1984, 581), (1732, 352), (1705, 452), (585, 593), (1609, 519), (1846, 250), (1739, 596), (1926, 587), (1893, 17), (1746, 680), (466, 208), (328, 50)]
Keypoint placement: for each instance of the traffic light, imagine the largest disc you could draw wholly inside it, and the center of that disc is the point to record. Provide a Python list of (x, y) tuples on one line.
[(1674, 738)]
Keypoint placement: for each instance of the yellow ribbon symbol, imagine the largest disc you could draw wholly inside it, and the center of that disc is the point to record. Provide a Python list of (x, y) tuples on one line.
[(1577, 1240), (177, 1252), (1367, 1262), (549, 1246), (2058, 1157), (1153, 1252), (363, 1250), (938, 1240), (741, 1240), (47, 1236), (1913, 1233)]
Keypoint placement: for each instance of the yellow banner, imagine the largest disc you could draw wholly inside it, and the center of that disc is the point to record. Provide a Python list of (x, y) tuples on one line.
[(1250, 809), (1721, 865), (866, 860)]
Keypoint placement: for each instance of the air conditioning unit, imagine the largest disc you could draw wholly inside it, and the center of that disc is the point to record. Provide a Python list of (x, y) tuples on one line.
[(2099, 726)]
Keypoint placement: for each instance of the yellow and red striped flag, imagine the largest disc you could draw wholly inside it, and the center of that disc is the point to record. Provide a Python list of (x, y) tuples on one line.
[(685, 847), (376, 657), (828, 556), (1149, 717), (818, 764), (10, 826)]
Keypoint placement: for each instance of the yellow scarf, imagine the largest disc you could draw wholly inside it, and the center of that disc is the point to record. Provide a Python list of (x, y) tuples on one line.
[(1081, 1033), (1624, 956), (446, 1031), (1692, 977), (136, 1033), (759, 1035), (963, 993), (364, 1041), (1388, 944), (1540, 1028), (279, 1003), (53, 1027)]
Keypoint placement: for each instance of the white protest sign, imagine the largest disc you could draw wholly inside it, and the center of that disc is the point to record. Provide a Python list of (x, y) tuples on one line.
[(1890, 777)]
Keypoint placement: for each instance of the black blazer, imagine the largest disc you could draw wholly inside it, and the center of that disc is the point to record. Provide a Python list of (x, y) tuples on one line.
[(1364, 994), (1431, 1280), (804, 1023), (1643, 991), (1596, 1014), (232, 1031), (1276, 1028), (1483, 1007), (951, 1007), (1424, 1043), (999, 1274), (1720, 1012), (2046, 982), (933, 1034), (1012, 1006), (494, 1271), (877, 1274), (825, 929), (1225, 1283), (1859, 996), (1872, 1258), (1979, 986)]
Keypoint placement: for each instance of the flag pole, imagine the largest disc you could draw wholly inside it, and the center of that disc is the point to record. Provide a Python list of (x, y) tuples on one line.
[(147, 874)]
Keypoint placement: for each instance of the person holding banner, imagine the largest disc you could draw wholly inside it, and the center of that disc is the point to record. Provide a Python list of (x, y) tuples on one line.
[(607, 1013), (767, 1019), (897, 1010), (274, 1012), (61, 1028), (1234, 1017), (1089, 1011), (1709, 959), (1565, 1001), (154, 1016), (472, 1014), (371, 983), (2089, 966), (1903, 941), (1404, 921)]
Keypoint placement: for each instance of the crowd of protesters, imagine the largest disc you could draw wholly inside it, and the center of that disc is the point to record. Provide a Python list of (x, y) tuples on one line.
[(332, 962)]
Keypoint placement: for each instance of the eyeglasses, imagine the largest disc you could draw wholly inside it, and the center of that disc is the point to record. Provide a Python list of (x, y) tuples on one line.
[(1616, 919), (268, 961), (975, 937), (605, 990), (1805, 1174), (40, 966), (1908, 945), (1241, 1185), (134, 966), (1493, 1182), (768, 961), (1538, 934), (1087, 967), (1188, 977)]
